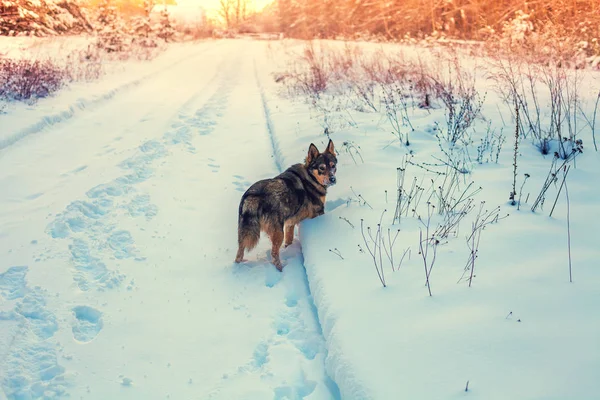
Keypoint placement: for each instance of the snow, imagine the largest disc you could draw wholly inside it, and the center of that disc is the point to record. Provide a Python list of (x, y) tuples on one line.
[(26, 120), (118, 233), (521, 331), (184, 12)]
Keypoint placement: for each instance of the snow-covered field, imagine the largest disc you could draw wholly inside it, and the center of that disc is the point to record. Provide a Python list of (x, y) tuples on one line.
[(118, 215)]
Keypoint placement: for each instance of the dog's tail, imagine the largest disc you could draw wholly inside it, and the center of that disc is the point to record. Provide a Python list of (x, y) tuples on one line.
[(248, 222)]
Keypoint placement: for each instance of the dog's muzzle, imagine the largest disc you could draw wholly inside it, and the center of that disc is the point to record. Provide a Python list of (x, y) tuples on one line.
[(332, 180)]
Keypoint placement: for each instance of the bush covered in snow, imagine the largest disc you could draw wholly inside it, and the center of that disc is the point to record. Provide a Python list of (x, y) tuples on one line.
[(548, 42), (166, 30), (110, 28), (142, 27), (29, 79), (42, 17)]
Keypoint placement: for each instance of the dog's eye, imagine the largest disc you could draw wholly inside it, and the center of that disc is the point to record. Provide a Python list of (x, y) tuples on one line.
[(322, 167)]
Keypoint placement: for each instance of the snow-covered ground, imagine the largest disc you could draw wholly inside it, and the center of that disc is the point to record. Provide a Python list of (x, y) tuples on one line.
[(118, 215)]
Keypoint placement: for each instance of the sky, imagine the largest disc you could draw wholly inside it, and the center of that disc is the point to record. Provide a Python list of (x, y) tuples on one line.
[(213, 5)]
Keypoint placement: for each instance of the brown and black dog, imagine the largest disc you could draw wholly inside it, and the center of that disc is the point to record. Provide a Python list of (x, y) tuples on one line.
[(276, 205)]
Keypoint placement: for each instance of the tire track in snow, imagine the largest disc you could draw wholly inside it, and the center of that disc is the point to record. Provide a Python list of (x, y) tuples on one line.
[(292, 357), (269, 124), (316, 343), (29, 366), (87, 105), (290, 360)]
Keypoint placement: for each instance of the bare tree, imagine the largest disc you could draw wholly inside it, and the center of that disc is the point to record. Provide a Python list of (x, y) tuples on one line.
[(226, 11), (234, 12), (241, 11)]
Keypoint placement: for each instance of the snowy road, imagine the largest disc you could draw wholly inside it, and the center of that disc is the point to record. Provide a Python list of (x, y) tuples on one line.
[(118, 214), (118, 232)]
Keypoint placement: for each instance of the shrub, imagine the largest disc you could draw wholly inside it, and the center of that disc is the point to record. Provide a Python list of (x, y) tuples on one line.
[(84, 65), (23, 79)]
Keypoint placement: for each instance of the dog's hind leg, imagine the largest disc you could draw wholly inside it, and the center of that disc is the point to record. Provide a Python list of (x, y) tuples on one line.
[(276, 236), (246, 241), (248, 227), (240, 254), (289, 234)]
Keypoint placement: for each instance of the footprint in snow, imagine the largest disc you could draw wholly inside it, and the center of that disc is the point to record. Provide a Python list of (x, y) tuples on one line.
[(79, 169), (73, 172), (88, 323), (141, 206), (204, 127), (272, 275), (12, 283), (240, 183), (90, 270), (122, 244), (113, 189), (34, 196), (261, 355)]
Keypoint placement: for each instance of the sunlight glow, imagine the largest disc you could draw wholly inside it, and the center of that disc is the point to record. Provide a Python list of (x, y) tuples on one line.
[(212, 6)]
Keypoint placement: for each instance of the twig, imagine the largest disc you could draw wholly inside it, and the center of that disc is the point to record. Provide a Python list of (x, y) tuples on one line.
[(513, 194), (359, 197), (424, 255), (403, 255), (390, 253), (337, 253), (373, 253), (569, 231), (349, 223), (521, 191), (425, 251), (565, 172), (592, 123), (483, 219)]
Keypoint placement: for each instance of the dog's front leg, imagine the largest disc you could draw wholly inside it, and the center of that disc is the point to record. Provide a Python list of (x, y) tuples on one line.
[(319, 211), (289, 235)]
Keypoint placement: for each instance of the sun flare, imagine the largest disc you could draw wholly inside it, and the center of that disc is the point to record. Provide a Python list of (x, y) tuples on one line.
[(214, 5)]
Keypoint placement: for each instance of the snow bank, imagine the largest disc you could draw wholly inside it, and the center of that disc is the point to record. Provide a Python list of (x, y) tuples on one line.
[(520, 331)]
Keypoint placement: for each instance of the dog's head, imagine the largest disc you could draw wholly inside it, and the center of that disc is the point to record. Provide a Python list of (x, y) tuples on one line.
[(322, 165)]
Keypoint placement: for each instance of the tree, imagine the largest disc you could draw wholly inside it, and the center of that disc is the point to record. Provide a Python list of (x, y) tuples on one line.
[(41, 18), (242, 11), (111, 33), (234, 12), (142, 27), (166, 30), (226, 11)]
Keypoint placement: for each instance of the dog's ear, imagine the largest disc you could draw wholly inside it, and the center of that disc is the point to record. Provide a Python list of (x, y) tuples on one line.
[(330, 149), (313, 153)]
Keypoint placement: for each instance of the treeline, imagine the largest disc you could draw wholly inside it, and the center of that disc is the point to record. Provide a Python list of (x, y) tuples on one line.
[(55, 17), (460, 19)]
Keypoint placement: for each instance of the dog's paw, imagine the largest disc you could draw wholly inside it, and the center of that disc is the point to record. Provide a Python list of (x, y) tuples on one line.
[(278, 264)]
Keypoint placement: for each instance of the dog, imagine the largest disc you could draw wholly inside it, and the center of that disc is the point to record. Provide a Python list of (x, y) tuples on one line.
[(276, 205)]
